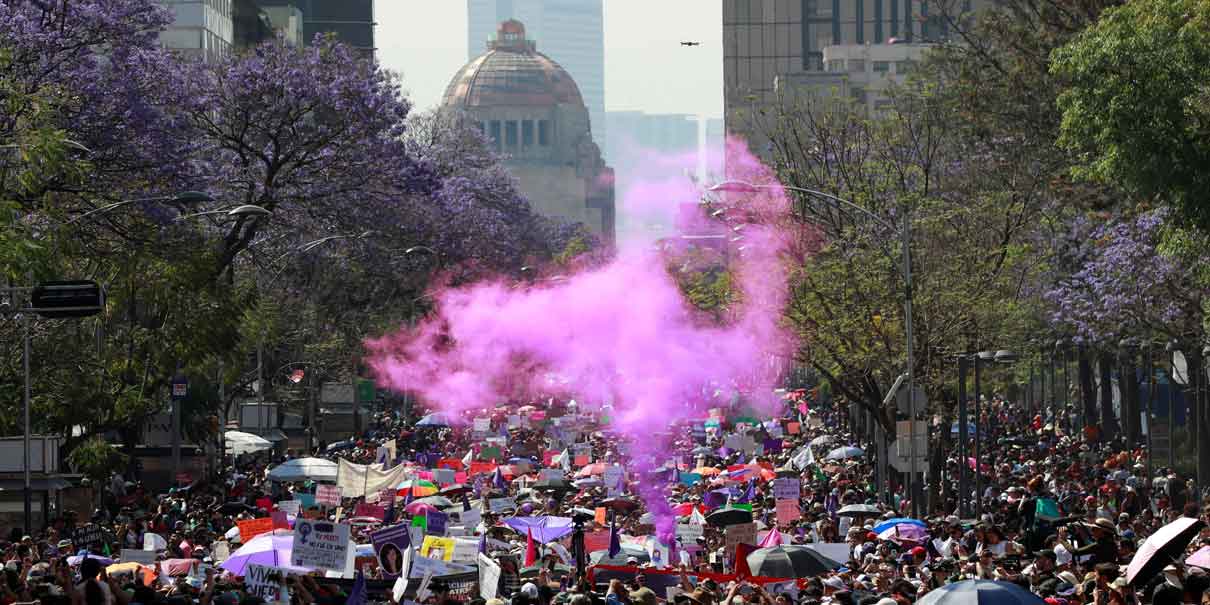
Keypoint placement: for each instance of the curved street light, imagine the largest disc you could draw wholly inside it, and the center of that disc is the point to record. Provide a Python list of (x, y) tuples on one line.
[(905, 233), (241, 211), (184, 197)]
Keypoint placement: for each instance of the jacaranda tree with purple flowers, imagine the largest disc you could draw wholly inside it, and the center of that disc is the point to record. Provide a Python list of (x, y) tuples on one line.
[(1126, 286)]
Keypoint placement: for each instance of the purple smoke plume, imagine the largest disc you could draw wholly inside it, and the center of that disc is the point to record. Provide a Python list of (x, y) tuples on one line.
[(621, 333)]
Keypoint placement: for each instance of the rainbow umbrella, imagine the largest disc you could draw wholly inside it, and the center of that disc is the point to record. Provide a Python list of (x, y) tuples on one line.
[(419, 487)]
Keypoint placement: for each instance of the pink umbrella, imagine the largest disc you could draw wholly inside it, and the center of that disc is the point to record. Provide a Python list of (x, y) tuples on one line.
[(419, 508), (1201, 558), (1165, 546), (771, 539), (904, 532)]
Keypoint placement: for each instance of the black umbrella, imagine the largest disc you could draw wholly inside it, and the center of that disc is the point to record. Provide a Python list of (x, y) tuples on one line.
[(980, 592), (456, 489), (789, 562), (1165, 546), (729, 516), (621, 505), (341, 445), (235, 508), (437, 501), (859, 510), (553, 485)]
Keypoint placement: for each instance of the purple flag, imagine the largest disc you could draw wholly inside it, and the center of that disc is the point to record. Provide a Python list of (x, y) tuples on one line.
[(615, 541), (544, 529), (498, 480), (357, 594)]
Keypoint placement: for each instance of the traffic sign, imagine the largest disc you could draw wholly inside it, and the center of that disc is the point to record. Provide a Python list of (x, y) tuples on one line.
[(897, 455), (180, 388), (905, 405), (903, 436)]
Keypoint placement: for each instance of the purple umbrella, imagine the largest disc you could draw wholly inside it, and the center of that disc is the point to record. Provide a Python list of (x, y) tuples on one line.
[(545, 529), (272, 549), (84, 554), (904, 532), (1201, 558)]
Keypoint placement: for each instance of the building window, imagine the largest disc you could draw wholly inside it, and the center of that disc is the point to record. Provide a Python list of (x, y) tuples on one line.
[(496, 134), (857, 66), (510, 134), (882, 66), (836, 65), (527, 133), (904, 67), (543, 132)]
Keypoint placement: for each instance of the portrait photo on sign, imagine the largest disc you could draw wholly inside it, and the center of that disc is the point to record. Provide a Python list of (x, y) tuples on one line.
[(390, 558)]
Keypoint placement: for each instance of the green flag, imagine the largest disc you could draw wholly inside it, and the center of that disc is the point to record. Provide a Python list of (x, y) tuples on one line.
[(1046, 508)]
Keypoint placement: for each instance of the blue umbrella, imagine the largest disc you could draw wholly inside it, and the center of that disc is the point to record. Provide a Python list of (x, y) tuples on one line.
[(889, 523), (980, 592), (841, 453)]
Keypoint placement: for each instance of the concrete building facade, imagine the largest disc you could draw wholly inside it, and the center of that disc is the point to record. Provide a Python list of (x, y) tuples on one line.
[(572, 32), (532, 111), (203, 28), (769, 40), (861, 72)]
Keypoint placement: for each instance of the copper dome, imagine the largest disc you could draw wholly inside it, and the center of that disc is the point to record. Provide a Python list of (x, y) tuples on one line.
[(511, 73)]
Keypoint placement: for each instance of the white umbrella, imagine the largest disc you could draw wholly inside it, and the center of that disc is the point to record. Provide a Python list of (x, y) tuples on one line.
[(842, 453), (239, 442), (303, 469)]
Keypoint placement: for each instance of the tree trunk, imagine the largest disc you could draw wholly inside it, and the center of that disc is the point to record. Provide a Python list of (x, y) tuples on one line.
[(1199, 419), (1109, 422), (1087, 393), (939, 498), (1131, 407)]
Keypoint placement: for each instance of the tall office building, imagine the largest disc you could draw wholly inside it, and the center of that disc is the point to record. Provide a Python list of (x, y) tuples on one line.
[(572, 32), (204, 28), (214, 28), (765, 39)]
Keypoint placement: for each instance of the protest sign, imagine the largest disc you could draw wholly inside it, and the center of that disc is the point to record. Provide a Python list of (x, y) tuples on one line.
[(436, 522), (290, 507), (551, 474), (327, 495), (131, 555), (482, 425), (491, 452), (372, 511), (787, 511), (435, 547), (251, 528), (320, 545), (786, 488), (471, 519), (498, 505), (688, 533), (266, 582), (390, 545), (741, 533), (280, 520), (88, 537), (443, 475), (489, 577)]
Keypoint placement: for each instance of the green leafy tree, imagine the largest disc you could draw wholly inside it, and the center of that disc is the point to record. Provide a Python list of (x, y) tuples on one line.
[(1136, 102)]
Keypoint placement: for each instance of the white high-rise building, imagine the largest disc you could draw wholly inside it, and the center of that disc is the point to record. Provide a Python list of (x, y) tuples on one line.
[(572, 32), (202, 27)]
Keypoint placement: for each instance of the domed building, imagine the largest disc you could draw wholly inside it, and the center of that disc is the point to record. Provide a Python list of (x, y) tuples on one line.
[(531, 110)]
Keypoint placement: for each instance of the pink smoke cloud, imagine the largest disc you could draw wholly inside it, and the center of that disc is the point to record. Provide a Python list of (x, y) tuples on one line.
[(621, 333)]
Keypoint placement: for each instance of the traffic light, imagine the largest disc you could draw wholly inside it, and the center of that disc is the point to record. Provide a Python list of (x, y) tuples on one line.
[(60, 299)]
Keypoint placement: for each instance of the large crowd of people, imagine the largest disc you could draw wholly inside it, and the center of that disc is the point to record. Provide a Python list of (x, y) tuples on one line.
[(708, 523)]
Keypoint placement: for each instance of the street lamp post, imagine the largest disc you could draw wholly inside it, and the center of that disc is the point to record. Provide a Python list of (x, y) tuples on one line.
[(905, 235), (963, 439)]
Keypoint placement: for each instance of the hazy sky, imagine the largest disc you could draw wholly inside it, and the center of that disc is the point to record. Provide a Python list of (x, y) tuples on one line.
[(646, 68)]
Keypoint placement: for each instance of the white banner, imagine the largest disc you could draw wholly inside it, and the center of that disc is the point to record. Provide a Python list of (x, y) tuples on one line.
[(489, 577), (357, 480)]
